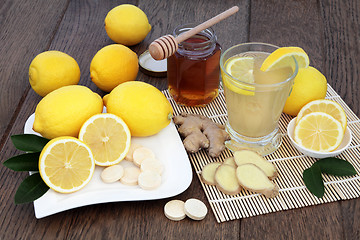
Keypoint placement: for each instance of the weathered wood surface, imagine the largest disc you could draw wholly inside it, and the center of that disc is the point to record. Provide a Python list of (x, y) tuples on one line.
[(327, 30)]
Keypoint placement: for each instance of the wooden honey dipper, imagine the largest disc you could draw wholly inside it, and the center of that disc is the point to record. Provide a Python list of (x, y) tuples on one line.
[(167, 45)]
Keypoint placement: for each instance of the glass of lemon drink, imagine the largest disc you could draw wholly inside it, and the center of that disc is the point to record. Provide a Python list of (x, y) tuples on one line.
[(254, 97)]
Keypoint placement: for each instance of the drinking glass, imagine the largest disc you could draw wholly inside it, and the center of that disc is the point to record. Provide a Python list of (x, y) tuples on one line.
[(254, 108)]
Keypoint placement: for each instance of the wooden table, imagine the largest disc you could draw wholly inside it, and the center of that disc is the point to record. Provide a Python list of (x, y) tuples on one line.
[(329, 31)]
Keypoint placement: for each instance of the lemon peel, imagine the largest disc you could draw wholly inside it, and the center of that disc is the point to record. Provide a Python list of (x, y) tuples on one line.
[(127, 24), (143, 107), (51, 70)]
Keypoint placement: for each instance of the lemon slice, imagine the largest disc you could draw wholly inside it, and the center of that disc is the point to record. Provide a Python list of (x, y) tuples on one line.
[(326, 106), (108, 137), (66, 164), (319, 131), (283, 57), (241, 68)]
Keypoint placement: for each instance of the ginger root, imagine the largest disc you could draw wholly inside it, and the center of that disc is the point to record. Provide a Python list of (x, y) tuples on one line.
[(247, 156), (252, 178), (200, 132), (208, 172), (226, 179)]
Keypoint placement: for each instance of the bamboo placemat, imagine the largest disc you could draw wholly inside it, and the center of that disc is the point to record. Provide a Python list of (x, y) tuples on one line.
[(289, 162)]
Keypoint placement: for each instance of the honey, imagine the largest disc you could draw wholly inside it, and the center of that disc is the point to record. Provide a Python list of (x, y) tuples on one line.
[(193, 71)]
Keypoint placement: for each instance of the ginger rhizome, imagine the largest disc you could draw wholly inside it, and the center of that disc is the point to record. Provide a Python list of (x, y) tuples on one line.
[(246, 169), (201, 132)]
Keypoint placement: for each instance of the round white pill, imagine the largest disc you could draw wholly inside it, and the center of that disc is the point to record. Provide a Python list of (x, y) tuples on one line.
[(112, 174), (195, 209), (129, 155), (130, 176), (149, 180), (140, 154), (152, 164), (174, 210)]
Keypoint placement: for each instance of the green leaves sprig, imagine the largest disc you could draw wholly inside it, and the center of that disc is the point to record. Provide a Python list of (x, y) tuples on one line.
[(33, 186), (333, 166)]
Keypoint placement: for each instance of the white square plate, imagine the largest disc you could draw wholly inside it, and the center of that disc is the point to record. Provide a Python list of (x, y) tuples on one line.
[(176, 178)]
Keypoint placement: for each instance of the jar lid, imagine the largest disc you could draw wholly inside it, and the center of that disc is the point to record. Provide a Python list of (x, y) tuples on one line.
[(152, 67)]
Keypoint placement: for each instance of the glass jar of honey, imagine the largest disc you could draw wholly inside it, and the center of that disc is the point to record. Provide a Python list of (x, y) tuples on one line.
[(193, 71)]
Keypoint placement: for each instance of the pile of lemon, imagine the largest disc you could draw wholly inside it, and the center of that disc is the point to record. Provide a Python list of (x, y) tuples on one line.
[(71, 115), (82, 136)]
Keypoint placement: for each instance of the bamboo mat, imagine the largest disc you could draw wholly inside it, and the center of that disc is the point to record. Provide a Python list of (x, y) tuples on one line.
[(289, 162)]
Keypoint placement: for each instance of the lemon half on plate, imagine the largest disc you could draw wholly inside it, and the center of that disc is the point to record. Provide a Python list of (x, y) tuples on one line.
[(66, 164), (319, 131), (108, 137)]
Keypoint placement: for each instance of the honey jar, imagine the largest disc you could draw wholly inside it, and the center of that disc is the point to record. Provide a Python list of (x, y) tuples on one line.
[(193, 71)]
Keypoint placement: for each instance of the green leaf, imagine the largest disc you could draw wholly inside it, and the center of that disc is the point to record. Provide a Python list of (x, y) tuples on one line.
[(336, 166), (30, 189), (313, 180), (24, 162), (29, 142)]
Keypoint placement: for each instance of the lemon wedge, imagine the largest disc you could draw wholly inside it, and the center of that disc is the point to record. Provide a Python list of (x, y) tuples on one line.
[(283, 57), (319, 131), (66, 164), (326, 106), (108, 137)]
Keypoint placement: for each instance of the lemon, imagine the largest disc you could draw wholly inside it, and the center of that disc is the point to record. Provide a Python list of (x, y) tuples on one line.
[(127, 24), (319, 131), (108, 137), (309, 85), (105, 99), (66, 164), (63, 111), (284, 57), (112, 65), (142, 106), (51, 70), (326, 106), (241, 68)]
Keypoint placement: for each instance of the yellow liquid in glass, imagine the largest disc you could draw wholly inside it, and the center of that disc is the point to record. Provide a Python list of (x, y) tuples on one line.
[(256, 113)]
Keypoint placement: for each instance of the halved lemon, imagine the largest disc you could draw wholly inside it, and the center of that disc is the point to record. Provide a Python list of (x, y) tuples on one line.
[(283, 57), (241, 68), (319, 131), (326, 106), (66, 164), (108, 137)]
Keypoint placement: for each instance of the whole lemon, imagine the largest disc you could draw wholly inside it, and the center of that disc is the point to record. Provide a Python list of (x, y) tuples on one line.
[(63, 111), (127, 24), (112, 65), (51, 70), (309, 85), (142, 106)]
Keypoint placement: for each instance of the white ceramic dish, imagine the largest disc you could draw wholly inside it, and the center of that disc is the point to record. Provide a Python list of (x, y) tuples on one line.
[(344, 144), (176, 178)]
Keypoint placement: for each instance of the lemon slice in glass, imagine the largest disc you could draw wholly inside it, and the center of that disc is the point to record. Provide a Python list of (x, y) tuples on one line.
[(283, 57), (241, 68), (108, 137), (319, 131), (326, 106), (66, 164)]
